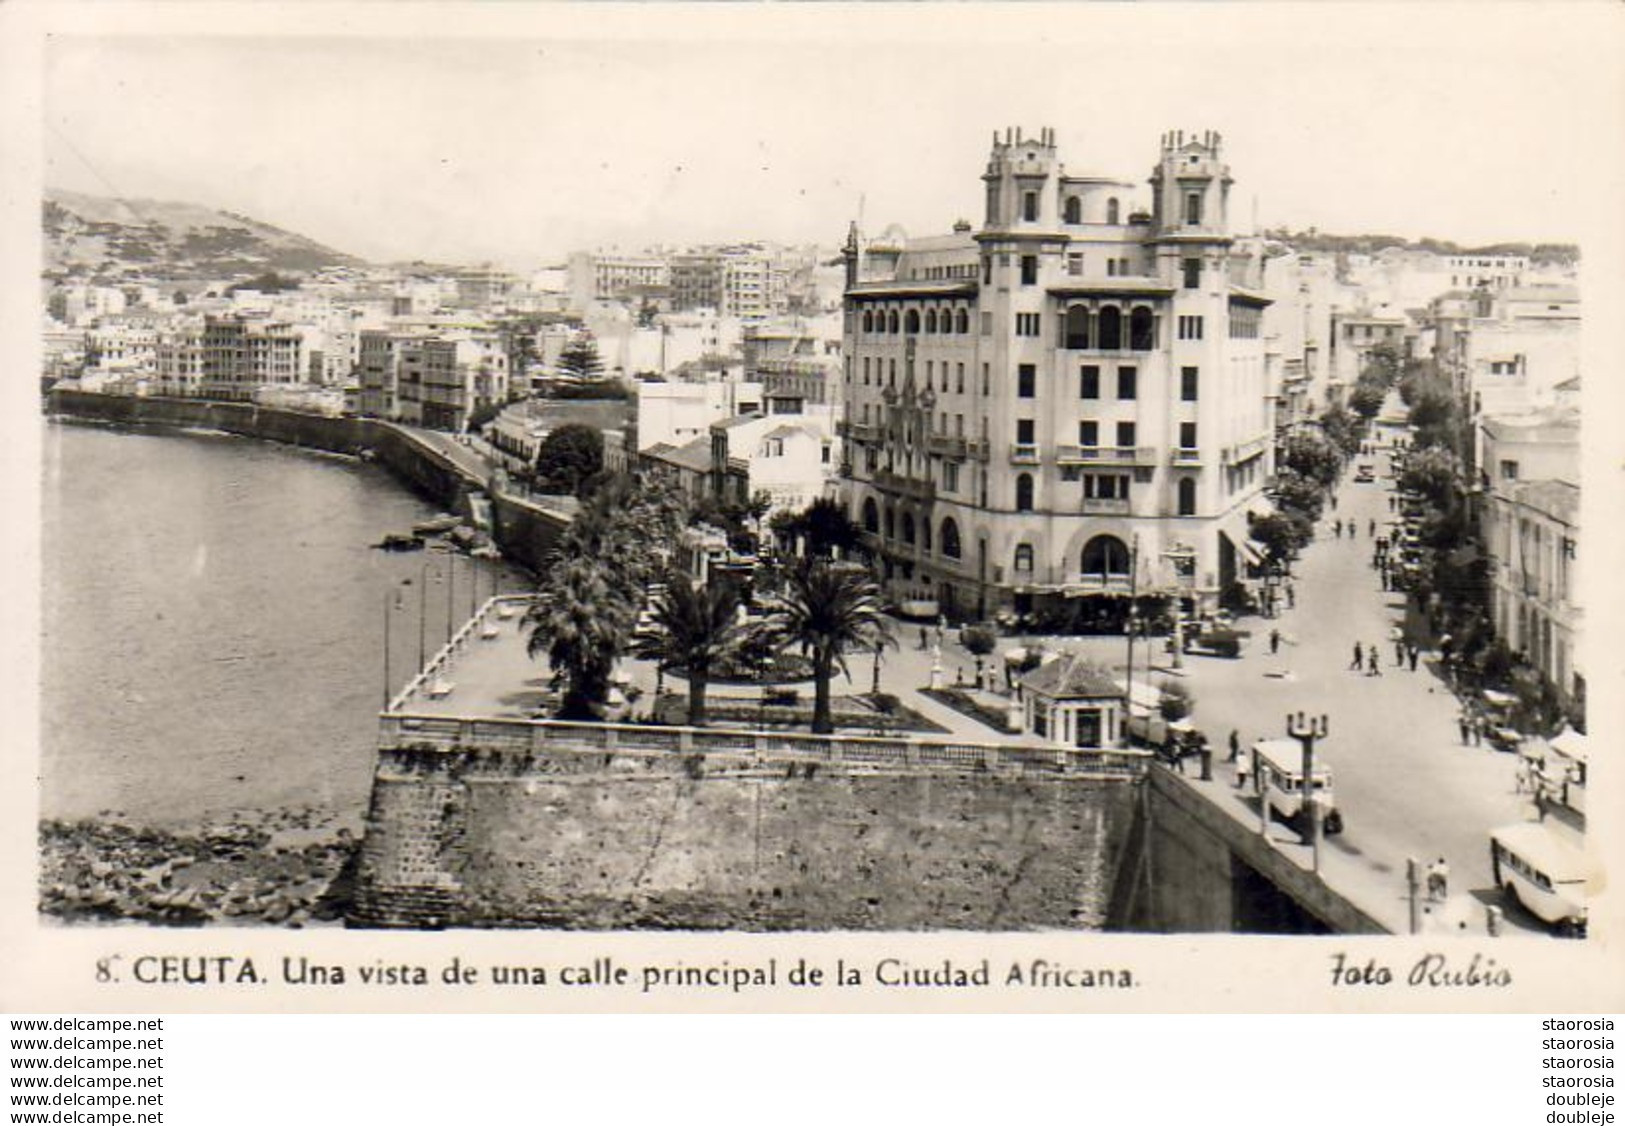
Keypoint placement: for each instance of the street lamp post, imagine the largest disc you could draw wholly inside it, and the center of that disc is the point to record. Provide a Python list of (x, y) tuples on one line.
[(1307, 729), (451, 592), (387, 680), (423, 617), (1124, 736)]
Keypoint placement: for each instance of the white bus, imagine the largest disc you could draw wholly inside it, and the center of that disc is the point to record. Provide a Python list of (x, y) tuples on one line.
[(1278, 780), (1545, 873)]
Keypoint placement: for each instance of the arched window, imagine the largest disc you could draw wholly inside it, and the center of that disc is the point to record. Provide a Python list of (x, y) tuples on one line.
[(930, 320), (871, 515), (1024, 493), (1074, 210), (925, 533), (908, 528), (891, 523), (891, 321), (1024, 559), (945, 321), (868, 320), (911, 321), (1105, 555), (1140, 330), (1187, 496), (1109, 329), (1111, 211), (962, 321), (950, 538), (1193, 209), (1077, 327)]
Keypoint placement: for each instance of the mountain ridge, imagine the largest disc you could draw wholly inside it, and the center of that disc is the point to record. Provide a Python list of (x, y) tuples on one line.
[(99, 236)]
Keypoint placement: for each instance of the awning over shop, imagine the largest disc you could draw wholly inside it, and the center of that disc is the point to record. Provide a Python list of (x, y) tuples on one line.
[(1250, 550), (1570, 743)]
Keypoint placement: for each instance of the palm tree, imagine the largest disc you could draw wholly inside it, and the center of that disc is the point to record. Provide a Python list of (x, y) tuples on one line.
[(825, 610), (581, 621), (698, 628)]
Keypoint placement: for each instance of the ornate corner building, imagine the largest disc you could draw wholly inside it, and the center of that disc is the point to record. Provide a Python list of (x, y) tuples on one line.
[(1067, 407)]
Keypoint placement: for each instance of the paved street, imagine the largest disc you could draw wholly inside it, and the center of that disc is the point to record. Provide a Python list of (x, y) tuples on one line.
[(1405, 783)]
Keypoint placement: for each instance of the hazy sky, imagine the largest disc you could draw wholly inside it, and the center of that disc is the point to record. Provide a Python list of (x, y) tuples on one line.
[(522, 140)]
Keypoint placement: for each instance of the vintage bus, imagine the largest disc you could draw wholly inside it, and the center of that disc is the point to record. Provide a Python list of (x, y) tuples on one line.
[(1278, 780), (1545, 873)]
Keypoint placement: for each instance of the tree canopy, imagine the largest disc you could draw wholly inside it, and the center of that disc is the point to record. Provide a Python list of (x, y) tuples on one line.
[(580, 358), (568, 458)]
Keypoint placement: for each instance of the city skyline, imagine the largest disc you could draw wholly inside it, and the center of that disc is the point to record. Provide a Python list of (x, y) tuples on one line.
[(519, 150)]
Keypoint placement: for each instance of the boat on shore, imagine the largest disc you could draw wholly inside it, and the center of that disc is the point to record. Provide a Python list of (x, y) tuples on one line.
[(437, 525)]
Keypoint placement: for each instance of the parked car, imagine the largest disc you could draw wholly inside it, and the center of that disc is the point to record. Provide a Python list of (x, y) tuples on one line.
[(1364, 475), (1215, 640)]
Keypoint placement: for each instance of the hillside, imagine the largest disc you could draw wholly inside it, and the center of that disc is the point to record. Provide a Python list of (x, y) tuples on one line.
[(1539, 254), (87, 236)]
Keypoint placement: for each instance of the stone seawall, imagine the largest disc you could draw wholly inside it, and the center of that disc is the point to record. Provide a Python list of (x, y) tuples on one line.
[(524, 532), (1189, 867), (312, 431), (615, 841)]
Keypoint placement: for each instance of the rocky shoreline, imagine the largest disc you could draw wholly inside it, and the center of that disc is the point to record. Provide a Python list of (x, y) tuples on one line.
[(290, 868)]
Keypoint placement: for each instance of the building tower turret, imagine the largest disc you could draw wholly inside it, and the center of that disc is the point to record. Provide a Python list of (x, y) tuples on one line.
[(849, 254), (1019, 179), (1190, 204)]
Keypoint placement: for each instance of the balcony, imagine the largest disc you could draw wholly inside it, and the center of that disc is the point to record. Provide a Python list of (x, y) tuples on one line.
[(979, 448), (1184, 457), (946, 446), (1105, 506), (1106, 455), (859, 431), (891, 482), (1024, 453)]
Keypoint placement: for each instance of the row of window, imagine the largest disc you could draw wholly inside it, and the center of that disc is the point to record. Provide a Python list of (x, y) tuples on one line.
[(1244, 323), (1102, 555), (1128, 379), (1071, 207), (1089, 434)]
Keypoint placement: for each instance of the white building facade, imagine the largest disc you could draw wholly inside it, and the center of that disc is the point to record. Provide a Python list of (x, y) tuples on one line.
[(1066, 407)]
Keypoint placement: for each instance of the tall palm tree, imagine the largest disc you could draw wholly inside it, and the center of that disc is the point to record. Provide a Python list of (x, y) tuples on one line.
[(581, 621), (826, 610), (698, 628)]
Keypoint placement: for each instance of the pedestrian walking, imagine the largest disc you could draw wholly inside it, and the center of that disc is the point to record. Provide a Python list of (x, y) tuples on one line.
[(1275, 641), (1235, 746), (1337, 530), (1291, 596), (1359, 657), (1373, 666), (1414, 654), (1242, 769), (1391, 507), (1477, 728), (1371, 530), (924, 643), (1464, 726)]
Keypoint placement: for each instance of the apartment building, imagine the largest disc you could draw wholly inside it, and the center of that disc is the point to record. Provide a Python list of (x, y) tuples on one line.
[(1531, 529)]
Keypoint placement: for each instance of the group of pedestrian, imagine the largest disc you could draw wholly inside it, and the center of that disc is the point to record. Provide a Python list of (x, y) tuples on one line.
[(1471, 724), (1366, 658)]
